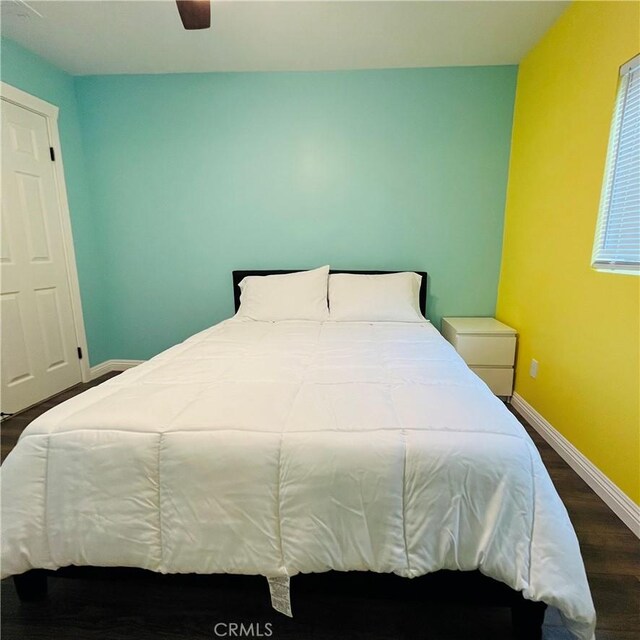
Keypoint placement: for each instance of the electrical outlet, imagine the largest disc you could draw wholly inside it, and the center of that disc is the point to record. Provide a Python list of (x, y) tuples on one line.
[(533, 369)]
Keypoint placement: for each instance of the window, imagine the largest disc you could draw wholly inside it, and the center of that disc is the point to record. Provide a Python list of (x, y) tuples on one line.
[(617, 242)]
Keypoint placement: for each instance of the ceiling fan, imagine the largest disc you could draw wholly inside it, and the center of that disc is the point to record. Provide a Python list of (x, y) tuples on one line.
[(195, 14)]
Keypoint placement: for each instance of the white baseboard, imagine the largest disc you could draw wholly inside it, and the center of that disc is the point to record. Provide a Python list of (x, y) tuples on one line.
[(112, 365), (618, 501)]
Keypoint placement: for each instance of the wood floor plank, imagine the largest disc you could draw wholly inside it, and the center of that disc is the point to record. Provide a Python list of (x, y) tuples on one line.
[(617, 601)]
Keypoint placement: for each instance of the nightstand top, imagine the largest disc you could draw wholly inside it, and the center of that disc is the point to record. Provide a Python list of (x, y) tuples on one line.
[(482, 326)]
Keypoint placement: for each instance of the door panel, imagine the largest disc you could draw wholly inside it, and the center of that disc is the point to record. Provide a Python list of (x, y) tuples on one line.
[(32, 208), (16, 367), (51, 325), (22, 139), (39, 357), (5, 244)]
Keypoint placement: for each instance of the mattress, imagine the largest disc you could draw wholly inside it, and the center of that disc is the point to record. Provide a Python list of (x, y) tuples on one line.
[(275, 448)]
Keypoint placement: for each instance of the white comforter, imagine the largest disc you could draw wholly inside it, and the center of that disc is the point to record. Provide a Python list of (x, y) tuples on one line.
[(279, 448)]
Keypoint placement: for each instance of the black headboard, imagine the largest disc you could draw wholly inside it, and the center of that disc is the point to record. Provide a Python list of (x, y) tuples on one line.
[(238, 276)]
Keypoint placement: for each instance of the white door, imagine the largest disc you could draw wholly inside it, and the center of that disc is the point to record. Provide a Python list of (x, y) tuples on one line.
[(39, 352)]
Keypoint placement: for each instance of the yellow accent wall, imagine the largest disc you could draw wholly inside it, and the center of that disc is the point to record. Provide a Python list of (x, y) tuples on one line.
[(582, 326)]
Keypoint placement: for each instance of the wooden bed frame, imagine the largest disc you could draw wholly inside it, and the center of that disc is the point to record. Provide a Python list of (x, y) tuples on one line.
[(464, 587)]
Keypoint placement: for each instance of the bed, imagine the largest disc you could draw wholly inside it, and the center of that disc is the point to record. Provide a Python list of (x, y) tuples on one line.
[(280, 448)]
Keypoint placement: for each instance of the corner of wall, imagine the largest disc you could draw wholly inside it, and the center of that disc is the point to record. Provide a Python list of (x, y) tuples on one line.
[(29, 72)]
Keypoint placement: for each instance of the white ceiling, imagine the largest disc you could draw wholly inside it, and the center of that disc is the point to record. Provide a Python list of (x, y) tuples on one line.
[(146, 36)]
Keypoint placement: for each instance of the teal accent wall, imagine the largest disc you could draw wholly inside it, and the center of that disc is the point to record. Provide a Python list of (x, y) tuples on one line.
[(176, 180), (193, 176), (26, 71)]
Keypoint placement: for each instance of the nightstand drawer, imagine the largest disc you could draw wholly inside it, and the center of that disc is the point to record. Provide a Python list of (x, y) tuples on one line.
[(487, 350), (499, 380)]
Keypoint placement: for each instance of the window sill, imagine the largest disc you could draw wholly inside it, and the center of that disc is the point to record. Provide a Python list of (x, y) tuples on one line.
[(621, 272)]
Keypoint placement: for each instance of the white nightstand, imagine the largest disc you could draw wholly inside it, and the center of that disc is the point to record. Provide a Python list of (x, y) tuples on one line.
[(487, 346)]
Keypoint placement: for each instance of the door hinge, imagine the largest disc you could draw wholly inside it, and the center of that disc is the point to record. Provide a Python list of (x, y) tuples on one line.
[(52, 153), (79, 353)]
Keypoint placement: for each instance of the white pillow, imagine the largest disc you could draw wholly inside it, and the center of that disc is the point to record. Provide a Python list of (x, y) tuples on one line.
[(290, 296), (392, 297)]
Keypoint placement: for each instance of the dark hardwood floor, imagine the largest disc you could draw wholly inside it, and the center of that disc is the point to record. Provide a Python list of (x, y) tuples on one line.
[(172, 607), (11, 428)]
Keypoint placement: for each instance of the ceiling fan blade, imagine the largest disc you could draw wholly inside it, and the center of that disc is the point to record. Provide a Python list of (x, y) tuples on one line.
[(195, 14)]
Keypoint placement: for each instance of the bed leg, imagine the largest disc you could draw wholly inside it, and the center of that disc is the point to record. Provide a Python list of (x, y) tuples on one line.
[(31, 586), (527, 618)]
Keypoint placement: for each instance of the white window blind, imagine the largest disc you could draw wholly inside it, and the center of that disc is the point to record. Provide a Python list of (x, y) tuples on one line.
[(617, 242)]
